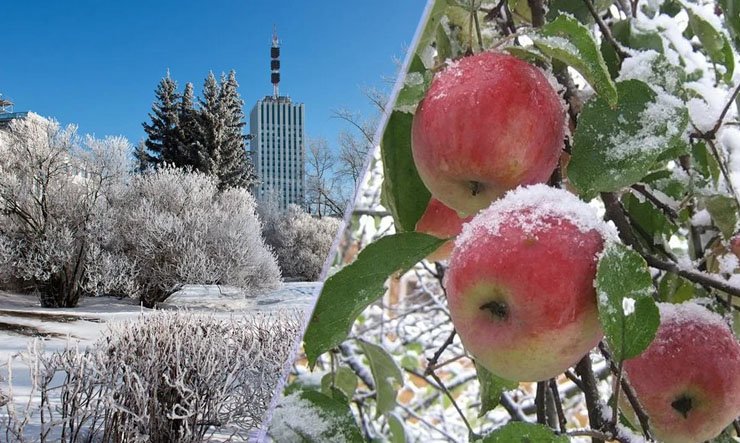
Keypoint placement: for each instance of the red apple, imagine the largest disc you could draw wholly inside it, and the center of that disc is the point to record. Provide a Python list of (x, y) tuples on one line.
[(520, 283), (688, 379), (488, 123), (442, 222), (735, 245)]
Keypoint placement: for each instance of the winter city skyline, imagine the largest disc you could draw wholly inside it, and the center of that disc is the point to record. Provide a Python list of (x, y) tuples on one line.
[(97, 65)]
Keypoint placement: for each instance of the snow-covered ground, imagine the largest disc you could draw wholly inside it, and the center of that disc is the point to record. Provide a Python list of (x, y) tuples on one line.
[(23, 320)]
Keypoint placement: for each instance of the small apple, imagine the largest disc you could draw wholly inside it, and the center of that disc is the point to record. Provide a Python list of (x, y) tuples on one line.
[(442, 222), (688, 379), (520, 283), (488, 123), (735, 245)]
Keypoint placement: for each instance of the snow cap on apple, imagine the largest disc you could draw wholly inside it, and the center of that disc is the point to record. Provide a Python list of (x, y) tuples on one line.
[(688, 379), (520, 285), (487, 124)]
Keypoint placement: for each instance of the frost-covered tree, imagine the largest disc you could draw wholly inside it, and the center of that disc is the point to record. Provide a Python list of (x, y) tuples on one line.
[(235, 168), (187, 147), (301, 241), (52, 191), (178, 228), (162, 131)]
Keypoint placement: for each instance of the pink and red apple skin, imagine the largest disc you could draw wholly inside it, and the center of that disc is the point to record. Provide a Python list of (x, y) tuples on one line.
[(735, 245), (488, 124), (545, 278), (440, 221), (690, 358)]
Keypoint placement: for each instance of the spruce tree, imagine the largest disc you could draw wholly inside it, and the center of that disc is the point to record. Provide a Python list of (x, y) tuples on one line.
[(161, 133), (209, 127), (235, 168), (187, 137)]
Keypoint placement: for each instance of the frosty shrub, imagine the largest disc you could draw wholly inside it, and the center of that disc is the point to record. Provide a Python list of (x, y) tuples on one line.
[(174, 227), (166, 377), (301, 241), (52, 190)]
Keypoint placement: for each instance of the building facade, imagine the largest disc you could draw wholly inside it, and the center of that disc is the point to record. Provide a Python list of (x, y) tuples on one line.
[(278, 149)]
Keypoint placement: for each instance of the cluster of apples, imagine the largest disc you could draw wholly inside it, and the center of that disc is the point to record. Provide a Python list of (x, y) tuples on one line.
[(520, 284)]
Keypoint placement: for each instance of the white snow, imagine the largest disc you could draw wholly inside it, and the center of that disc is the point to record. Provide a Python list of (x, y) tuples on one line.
[(297, 419), (628, 306), (728, 263), (658, 125), (689, 312), (527, 207)]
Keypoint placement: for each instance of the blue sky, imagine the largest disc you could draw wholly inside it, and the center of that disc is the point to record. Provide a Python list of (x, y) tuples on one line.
[(97, 63)]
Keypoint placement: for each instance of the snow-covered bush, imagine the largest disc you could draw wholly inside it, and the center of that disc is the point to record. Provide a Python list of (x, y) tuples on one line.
[(166, 377), (52, 188), (301, 241), (174, 227)]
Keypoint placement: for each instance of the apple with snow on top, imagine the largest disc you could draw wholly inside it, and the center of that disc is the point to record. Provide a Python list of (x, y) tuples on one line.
[(520, 283), (688, 379), (488, 123), (440, 221)]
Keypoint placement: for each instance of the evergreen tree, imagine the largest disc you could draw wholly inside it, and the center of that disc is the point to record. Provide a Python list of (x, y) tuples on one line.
[(187, 135), (161, 133), (235, 168), (209, 127)]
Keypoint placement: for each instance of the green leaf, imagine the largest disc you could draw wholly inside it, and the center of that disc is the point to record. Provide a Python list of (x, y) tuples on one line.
[(627, 35), (491, 388), (649, 218), (576, 8), (705, 162), (723, 210), (570, 42), (675, 289), (519, 432), (404, 194), (336, 419), (713, 40), (731, 11), (628, 314), (398, 430), (443, 45), (415, 86), (527, 54), (345, 381), (348, 292), (616, 147), (384, 371), (430, 27)]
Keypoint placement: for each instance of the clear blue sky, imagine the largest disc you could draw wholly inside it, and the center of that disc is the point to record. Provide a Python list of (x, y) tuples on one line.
[(96, 63)]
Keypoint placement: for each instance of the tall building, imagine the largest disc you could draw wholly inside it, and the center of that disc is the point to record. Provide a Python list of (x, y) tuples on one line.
[(277, 133)]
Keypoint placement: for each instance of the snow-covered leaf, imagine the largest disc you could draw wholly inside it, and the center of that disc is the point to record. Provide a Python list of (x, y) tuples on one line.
[(627, 311), (731, 11), (387, 377), (616, 147), (713, 40), (491, 388), (404, 194), (348, 292), (518, 432), (571, 42), (322, 419)]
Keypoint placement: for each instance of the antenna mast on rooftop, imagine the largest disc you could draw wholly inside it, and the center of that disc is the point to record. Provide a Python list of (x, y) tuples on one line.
[(275, 63)]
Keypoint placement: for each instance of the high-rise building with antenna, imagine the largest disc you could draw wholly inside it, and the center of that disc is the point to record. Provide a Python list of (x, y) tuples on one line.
[(277, 134)]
